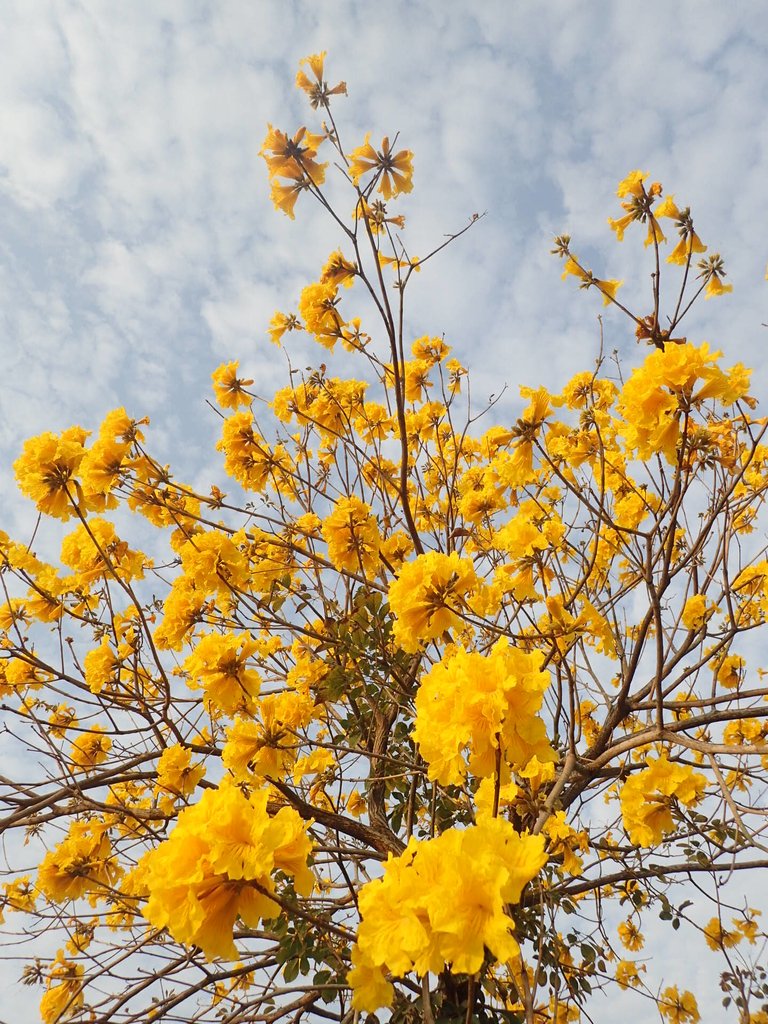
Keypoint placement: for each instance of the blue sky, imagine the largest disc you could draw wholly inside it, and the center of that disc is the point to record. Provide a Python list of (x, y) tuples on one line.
[(139, 248)]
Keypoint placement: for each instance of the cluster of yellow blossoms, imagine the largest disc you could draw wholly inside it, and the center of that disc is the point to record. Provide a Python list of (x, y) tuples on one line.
[(408, 922), (646, 798), (487, 703), (429, 597), (661, 395), (217, 865)]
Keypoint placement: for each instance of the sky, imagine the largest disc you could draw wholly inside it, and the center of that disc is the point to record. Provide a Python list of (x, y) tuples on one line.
[(139, 248)]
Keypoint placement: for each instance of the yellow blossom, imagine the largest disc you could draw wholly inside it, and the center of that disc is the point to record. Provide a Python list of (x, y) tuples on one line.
[(100, 665), (46, 472), (198, 878), (469, 704), (730, 671), (627, 973), (63, 996), (428, 596), (229, 388), (393, 171), (698, 609), (647, 798), (338, 270), (352, 536), (81, 865), (90, 749), (316, 88), (293, 157), (719, 937), (630, 936), (632, 185), (93, 550), (176, 775), (408, 924), (219, 666), (677, 1008)]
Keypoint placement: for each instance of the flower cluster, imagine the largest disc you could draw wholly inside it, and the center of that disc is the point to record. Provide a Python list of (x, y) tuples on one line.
[(429, 596), (217, 865), (442, 902), (667, 390), (483, 704), (648, 797)]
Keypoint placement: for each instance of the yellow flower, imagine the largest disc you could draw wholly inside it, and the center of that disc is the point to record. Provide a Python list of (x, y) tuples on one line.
[(318, 90), (100, 666), (713, 272), (20, 894), (537, 773), (609, 289), (685, 247), (317, 307), (647, 798), (715, 286), (375, 215), (214, 563), (720, 938), (370, 988), (285, 194), (90, 748), (197, 879), (266, 748), (249, 459), (394, 171), (627, 974), (229, 388), (316, 763), (743, 731), (400, 263), (102, 468), (64, 994), (182, 611), (293, 158), (408, 924), (455, 372), (46, 470), (572, 267), (632, 185), (653, 399), (280, 323), (731, 671), (94, 551), (434, 350), (356, 804), (697, 611), (219, 665), (677, 1008), (667, 208), (352, 536), (620, 225), (477, 702), (747, 925), (176, 775), (427, 597), (564, 841), (338, 270), (655, 234), (631, 936), (81, 865)]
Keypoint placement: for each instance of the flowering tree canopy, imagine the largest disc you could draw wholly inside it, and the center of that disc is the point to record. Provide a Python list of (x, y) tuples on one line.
[(429, 713)]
